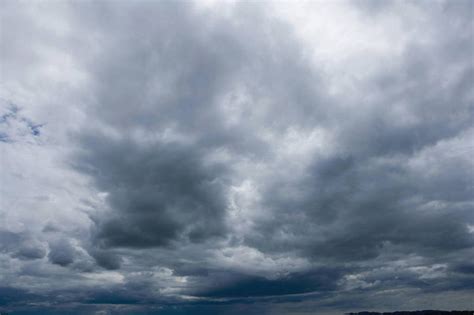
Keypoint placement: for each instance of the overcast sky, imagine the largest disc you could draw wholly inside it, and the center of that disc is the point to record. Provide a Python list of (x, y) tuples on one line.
[(171, 157)]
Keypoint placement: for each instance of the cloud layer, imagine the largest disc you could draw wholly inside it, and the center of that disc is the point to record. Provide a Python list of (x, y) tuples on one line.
[(272, 158)]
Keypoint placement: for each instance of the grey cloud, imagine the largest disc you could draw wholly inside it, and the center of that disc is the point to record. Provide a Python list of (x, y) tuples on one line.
[(50, 228), (352, 208), (15, 126), (9, 241), (106, 259), (208, 195), (157, 193), (352, 204), (178, 81), (163, 189), (21, 245), (30, 251), (242, 286), (61, 253), (374, 195), (12, 296)]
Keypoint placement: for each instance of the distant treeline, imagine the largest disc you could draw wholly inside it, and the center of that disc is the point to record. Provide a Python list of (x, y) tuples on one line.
[(430, 312)]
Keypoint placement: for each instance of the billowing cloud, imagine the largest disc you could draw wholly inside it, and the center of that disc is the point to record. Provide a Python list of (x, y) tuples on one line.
[(61, 253), (279, 158)]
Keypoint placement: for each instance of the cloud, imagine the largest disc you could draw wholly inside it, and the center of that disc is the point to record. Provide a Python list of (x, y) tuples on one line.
[(173, 124), (228, 158), (21, 245), (30, 251), (106, 259), (14, 126), (241, 286), (157, 193), (61, 253)]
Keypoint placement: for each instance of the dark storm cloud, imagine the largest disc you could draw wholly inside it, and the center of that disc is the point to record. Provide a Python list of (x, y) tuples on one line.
[(30, 252), (367, 195), (12, 296), (177, 77), (157, 193), (226, 176), (9, 241), (21, 246), (361, 206), (160, 107), (61, 253), (243, 286), (106, 259), (172, 85)]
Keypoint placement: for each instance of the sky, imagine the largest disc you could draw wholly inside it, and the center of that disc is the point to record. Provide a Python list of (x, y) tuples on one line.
[(236, 157)]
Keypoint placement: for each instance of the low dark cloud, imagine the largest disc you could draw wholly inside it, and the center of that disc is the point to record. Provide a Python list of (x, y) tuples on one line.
[(61, 253), (21, 245), (158, 192), (241, 286), (106, 259), (30, 252)]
